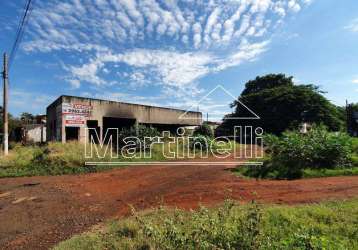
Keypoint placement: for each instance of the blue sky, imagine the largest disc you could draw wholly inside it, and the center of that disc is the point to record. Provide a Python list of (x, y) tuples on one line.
[(172, 53)]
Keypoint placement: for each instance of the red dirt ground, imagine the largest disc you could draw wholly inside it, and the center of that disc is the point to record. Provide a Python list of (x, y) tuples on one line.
[(55, 208)]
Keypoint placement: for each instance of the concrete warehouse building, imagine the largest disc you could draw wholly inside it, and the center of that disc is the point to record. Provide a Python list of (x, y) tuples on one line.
[(68, 116)]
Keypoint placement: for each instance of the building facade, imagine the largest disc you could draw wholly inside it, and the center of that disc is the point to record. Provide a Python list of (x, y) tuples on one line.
[(69, 116)]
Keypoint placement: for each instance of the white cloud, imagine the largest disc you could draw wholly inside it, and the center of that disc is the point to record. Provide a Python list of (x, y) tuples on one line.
[(65, 24), (197, 34), (212, 21), (180, 41), (260, 6), (75, 83), (87, 72), (352, 26), (245, 24), (138, 80), (279, 8), (355, 80), (172, 68), (294, 6), (131, 7), (307, 2), (246, 52)]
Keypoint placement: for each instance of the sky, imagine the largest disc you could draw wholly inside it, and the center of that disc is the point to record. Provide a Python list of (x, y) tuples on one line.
[(173, 53)]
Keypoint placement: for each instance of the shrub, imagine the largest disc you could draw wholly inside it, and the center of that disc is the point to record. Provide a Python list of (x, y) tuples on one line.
[(293, 152), (205, 143), (140, 132), (204, 130), (199, 142)]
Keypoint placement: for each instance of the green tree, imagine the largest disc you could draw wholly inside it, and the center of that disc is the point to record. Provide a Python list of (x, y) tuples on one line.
[(282, 105), (204, 130), (267, 82), (27, 118)]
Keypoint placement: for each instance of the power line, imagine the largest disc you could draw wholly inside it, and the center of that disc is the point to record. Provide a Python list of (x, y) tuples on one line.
[(20, 30), (7, 63)]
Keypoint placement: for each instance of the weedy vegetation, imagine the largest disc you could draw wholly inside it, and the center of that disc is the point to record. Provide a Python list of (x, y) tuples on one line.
[(55, 158), (329, 225), (319, 153)]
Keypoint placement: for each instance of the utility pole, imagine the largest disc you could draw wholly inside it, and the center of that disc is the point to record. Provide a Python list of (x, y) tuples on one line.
[(4, 108)]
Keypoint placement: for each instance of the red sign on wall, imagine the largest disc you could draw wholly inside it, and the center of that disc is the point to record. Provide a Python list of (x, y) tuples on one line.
[(74, 120), (76, 109)]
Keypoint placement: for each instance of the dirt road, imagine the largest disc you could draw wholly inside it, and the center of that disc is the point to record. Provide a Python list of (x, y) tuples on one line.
[(38, 212)]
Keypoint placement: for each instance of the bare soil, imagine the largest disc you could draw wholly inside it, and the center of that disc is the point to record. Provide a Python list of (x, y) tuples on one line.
[(38, 212)]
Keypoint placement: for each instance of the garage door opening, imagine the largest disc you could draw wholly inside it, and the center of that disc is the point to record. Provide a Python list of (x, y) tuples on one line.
[(93, 132), (119, 123), (72, 133)]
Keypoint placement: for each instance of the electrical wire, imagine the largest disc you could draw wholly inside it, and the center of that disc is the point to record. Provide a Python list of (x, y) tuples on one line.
[(20, 30)]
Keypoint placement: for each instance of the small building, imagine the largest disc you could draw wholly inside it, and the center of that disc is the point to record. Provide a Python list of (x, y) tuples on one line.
[(69, 116), (30, 131), (34, 133)]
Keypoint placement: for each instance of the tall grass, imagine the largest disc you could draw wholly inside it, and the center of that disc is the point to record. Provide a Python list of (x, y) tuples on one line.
[(331, 225), (53, 158), (56, 158)]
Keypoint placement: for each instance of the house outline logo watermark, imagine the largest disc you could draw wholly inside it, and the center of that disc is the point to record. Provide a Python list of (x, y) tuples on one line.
[(221, 87), (246, 135)]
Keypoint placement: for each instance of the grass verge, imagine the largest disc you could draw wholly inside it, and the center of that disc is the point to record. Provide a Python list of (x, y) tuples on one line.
[(314, 173), (329, 225), (258, 172)]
